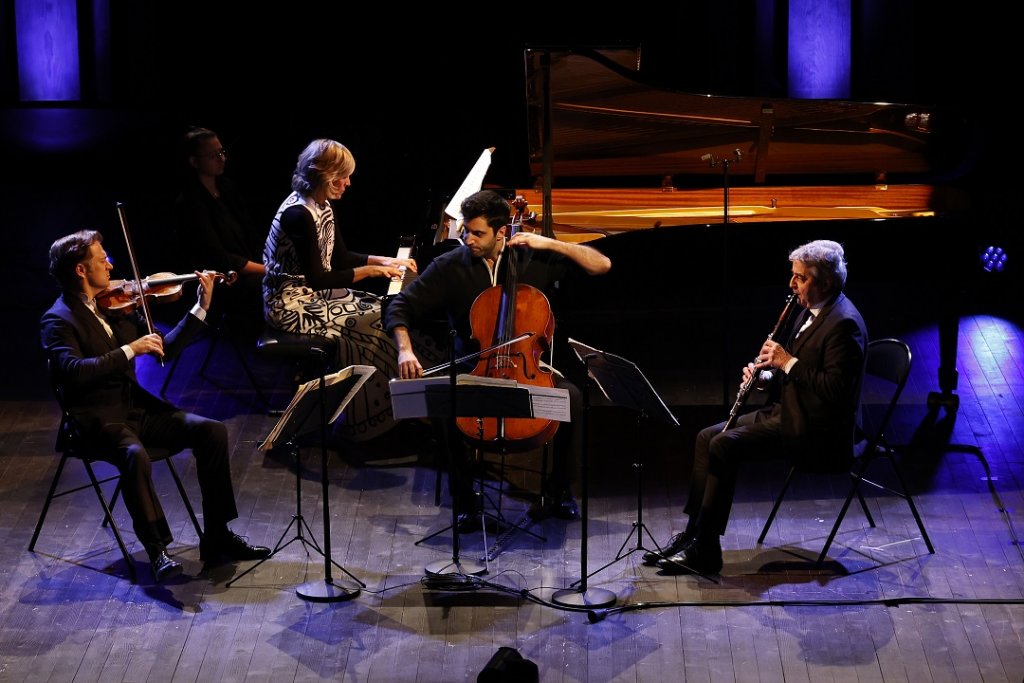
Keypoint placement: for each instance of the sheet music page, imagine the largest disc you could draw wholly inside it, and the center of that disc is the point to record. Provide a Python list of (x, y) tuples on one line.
[(473, 182), (362, 372), (480, 380), (550, 403), (582, 351)]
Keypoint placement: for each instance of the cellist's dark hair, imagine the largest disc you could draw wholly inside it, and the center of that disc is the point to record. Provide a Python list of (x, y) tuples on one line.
[(488, 204), (68, 252)]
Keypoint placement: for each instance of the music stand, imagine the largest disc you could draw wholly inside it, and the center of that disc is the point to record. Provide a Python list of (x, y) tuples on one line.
[(584, 596), (294, 430), (439, 397), (624, 384)]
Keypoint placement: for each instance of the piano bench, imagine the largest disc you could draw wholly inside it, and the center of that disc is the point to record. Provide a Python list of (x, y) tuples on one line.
[(308, 354)]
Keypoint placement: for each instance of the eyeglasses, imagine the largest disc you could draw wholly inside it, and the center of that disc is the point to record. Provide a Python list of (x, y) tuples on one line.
[(221, 153)]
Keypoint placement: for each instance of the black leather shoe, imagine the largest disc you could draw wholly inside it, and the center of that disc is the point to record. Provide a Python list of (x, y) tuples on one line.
[(566, 509), (675, 545), (468, 523), (164, 567), (697, 558), (231, 548), (560, 505)]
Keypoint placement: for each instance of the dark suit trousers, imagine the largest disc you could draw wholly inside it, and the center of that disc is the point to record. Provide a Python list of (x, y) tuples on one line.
[(566, 449), (174, 430), (716, 460)]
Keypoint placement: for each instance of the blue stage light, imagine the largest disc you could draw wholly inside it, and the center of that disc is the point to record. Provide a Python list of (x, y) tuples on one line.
[(993, 259)]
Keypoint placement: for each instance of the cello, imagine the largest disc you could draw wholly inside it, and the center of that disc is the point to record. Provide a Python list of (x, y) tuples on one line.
[(498, 316)]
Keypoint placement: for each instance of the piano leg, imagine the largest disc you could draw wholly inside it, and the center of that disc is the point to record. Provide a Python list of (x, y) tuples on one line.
[(949, 332)]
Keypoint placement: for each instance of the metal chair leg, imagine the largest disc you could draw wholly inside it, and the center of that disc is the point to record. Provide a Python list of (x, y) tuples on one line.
[(184, 498), (775, 508), (46, 504)]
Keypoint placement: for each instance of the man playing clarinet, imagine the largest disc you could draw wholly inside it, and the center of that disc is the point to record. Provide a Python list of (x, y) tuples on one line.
[(812, 422)]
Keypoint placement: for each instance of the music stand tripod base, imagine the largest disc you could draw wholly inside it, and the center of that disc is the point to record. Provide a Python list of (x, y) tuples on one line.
[(591, 597), (326, 590), (451, 567)]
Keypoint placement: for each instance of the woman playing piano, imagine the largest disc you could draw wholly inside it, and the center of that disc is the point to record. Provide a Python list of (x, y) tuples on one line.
[(309, 274)]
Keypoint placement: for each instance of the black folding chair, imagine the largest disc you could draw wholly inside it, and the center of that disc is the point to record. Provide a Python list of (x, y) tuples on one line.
[(888, 360), (73, 446)]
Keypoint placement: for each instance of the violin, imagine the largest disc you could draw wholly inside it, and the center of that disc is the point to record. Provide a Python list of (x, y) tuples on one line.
[(122, 296), (500, 315)]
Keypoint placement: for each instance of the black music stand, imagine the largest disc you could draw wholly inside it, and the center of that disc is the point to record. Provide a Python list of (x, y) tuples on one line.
[(438, 397), (623, 384), (293, 429), (584, 596)]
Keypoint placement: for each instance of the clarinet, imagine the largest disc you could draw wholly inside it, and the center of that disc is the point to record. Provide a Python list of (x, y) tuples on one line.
[(746, 387)]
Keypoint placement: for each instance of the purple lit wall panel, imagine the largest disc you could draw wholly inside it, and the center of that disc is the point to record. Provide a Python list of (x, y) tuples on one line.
[(819, 49), (47, 39)]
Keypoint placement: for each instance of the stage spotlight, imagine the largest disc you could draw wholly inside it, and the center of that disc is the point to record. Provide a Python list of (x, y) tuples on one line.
[(993, 259)]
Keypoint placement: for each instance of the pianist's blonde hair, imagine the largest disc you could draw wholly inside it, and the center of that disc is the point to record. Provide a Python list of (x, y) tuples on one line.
[(321, 160)]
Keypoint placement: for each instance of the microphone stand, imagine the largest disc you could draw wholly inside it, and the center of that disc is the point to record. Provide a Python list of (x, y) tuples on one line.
[(714, 161), (725, 164)]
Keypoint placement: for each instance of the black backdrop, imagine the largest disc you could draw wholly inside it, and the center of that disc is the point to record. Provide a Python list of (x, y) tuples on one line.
[(416, 93)]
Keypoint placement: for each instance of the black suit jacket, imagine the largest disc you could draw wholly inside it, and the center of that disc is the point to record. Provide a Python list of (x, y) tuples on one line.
[(820, 398), (99, 382)]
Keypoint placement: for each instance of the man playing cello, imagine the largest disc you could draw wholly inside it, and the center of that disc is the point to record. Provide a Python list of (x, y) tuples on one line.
[(451, 284)]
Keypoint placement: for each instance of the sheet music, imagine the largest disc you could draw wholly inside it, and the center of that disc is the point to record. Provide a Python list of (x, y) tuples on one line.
[(550, 403), (582, 351), (304, 396), (409, 396), (473, 182)]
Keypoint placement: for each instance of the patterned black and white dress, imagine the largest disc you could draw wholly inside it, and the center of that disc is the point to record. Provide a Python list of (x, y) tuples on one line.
[(306, 290)]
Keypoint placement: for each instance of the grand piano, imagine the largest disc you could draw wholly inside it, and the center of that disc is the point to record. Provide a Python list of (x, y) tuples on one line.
[(698, 199)]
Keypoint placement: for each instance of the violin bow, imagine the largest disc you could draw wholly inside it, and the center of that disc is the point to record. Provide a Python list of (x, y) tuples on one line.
[(135, 272)]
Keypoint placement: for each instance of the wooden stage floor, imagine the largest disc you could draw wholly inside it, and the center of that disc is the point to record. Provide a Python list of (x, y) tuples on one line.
[(881, 609)]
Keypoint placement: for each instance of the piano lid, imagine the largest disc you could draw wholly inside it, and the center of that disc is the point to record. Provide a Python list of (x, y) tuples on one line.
[(605, 122)]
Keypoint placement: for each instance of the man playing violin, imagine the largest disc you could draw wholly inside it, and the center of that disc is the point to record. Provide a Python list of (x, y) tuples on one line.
[(92, 356), (451, 284)]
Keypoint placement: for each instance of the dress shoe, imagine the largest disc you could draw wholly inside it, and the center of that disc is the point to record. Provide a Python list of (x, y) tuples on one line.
[(696, 558), (164, 567), (230, 547), (567, 509), (675, 545), (560, 505), (468, 523)]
